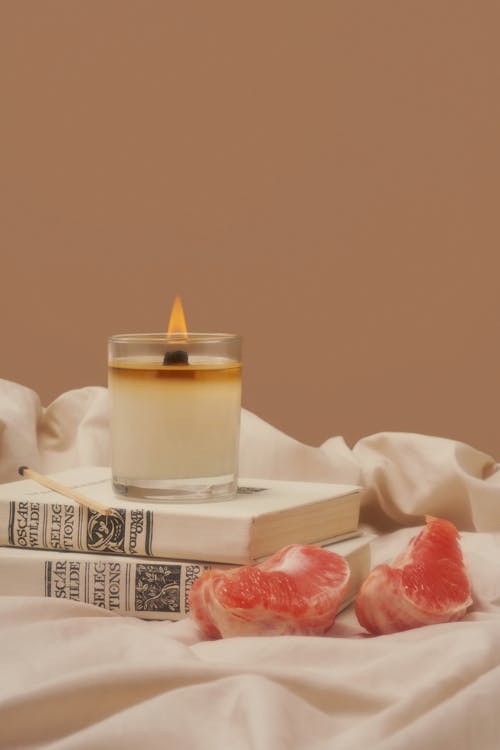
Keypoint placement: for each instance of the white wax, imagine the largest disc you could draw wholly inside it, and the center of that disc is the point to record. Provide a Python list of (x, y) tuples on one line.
[(176, 421)]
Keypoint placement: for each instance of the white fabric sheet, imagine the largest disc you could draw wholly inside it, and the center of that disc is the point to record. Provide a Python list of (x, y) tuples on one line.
[(74, 676)]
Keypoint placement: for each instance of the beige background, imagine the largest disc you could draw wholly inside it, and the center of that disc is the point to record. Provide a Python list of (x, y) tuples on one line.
[(322, 177)]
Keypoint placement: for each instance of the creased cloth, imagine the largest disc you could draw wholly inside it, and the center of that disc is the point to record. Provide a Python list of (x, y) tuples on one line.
[(75, 676)]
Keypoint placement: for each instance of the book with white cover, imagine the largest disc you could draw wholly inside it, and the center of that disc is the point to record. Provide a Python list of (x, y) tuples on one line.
[(264, 516), (135, 586)]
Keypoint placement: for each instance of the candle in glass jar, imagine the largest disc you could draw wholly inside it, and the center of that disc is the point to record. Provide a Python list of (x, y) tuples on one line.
[(175, 415)]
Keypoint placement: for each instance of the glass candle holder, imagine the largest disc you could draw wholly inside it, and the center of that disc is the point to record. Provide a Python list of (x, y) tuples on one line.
[(175, 415)]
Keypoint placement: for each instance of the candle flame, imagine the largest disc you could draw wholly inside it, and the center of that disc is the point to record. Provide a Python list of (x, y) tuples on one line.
[(177, 322)]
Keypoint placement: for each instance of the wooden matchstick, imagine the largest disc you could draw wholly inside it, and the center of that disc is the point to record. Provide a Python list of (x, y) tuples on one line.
[(51, 484)]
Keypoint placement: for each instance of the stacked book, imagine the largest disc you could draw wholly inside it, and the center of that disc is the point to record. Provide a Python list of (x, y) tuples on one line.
[(141, 559)]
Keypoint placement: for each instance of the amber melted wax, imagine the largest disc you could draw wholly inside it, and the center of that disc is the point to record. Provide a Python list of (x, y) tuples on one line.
[(204, 373)]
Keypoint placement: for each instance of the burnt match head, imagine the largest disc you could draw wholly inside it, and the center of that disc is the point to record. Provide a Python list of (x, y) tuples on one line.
[(21, 470), (177, 357)]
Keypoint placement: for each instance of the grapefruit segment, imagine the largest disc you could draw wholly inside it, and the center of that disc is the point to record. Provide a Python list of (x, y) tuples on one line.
[(426, 584), (297, 591)]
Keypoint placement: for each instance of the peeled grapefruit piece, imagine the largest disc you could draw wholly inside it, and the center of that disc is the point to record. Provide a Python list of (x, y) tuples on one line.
[(427, 583), (297, 591)]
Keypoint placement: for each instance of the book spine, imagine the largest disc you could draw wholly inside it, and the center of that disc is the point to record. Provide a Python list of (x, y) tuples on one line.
[(130, 531), (140, 588), (70, 527)]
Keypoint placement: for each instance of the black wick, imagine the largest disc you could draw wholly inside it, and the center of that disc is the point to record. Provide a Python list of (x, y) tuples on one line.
[(177, 357)]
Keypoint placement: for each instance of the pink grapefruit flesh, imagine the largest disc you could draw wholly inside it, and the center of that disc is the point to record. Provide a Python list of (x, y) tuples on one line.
[(426, 584), (297, 591)]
